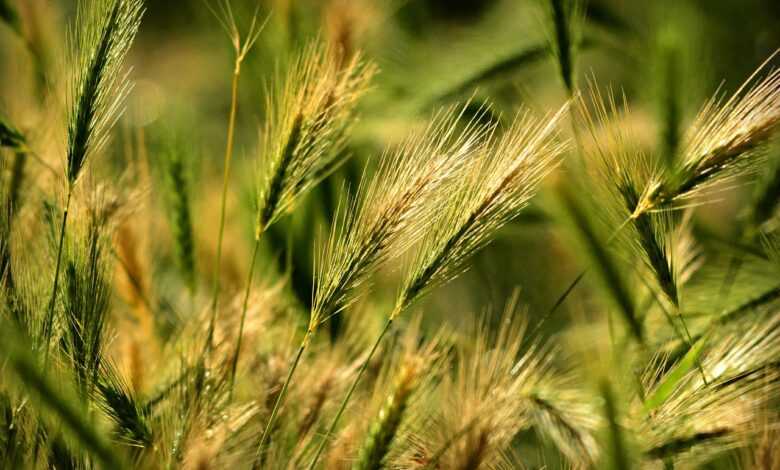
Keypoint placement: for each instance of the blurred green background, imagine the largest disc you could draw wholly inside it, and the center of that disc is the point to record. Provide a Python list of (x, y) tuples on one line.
[(666, 56)]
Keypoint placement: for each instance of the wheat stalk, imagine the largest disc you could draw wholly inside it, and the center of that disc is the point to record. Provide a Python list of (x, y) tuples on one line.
[(492, 193), (310, 117), (241, 47), (388, 216), (99, 44)]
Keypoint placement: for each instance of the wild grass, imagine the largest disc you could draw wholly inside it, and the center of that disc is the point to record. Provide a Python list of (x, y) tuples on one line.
[(721, 143), (162, 300), (388, 215), (241, 47), (178, 189), (310, 116), (98, 44)]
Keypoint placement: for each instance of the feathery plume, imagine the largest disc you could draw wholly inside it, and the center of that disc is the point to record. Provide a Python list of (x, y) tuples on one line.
[(492, 193), (389, 214), (722, 142), (310, 116), (117, 401), (103, 36), (415, 376), (557, 408), (623, 171), (392, 211), (481, 413), (694, 419), (499, 185)]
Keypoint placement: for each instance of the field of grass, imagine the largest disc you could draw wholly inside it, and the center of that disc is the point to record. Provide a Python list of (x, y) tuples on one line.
[(402, 234)]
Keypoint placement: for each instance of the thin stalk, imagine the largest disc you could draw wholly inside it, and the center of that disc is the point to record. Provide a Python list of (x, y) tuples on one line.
[(352, 388), (234, 362), (561, 299), (279, 399), (225, 182), (48, 324)]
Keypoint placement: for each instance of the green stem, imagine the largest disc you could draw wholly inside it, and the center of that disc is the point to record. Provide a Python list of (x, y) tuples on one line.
[(690, 345), (352, 388), (234, 362), (225, 182), (279, 400), (49, 322)]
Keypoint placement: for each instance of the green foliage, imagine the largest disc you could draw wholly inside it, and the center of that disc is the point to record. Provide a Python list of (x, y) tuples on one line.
[(407, 225), (63, 407), (565, 18)]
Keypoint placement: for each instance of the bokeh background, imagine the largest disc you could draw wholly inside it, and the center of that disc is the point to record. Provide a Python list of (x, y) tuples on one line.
[(665, 56)]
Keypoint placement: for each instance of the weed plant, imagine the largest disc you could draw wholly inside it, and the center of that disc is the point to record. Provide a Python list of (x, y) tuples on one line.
[(348, 278)]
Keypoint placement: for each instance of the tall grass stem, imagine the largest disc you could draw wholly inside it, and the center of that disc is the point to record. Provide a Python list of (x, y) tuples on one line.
[(225, 182), (279, 400), (49, 323), (348, 396), (234, 362)]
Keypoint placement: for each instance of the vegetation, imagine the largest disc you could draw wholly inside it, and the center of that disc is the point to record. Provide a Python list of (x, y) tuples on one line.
[(375, 234)]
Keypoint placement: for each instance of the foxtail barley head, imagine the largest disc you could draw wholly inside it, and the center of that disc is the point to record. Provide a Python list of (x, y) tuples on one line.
[(721, 143), (481, 412), (694, 419), (491, 192), (309, 118), (623, 171), (392, 211), (99, 43)]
